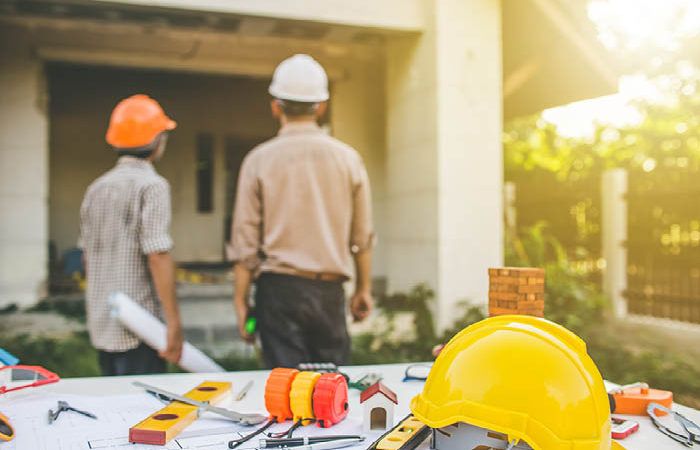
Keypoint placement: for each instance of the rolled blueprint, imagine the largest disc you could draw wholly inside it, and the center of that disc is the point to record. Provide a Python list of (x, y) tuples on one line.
[(153, 332)]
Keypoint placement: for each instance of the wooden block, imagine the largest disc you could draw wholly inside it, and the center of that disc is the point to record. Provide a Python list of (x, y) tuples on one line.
[(504, 296), (165, 424), (505, 280), (531, 289), (501, 311), (504, 304), (535, 281), (517, 271), (532, 312), (537, 304)]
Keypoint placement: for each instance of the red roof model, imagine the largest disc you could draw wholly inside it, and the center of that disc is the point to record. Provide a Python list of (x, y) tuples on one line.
[(377, 388)]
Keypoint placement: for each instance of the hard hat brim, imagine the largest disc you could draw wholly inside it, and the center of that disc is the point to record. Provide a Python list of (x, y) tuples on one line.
[(298, 98)]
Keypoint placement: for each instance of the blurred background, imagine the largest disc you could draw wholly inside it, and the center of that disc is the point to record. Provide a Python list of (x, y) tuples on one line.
[(551, 133)]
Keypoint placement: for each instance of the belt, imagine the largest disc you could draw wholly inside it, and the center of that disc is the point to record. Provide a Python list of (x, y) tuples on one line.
[(319, 276)]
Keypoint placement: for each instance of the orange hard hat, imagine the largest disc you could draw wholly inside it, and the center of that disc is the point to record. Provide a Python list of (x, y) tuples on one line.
[(136, 121)]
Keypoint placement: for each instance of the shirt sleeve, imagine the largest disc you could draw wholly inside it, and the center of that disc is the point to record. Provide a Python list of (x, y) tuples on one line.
[(362, 231), (83, 232), (246, 234), (154, 235)]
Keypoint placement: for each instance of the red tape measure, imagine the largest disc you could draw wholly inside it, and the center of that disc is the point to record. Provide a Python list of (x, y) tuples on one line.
[(330, 399)]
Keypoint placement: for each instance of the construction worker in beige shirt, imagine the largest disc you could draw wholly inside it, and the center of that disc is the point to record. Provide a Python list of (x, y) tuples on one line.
[(302, 217)]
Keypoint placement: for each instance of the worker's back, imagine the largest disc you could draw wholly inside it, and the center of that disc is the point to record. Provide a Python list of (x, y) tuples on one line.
[(307, 183), (118, 227)]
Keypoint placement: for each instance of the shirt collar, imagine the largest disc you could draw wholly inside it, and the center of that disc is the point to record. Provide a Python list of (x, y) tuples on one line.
[(132, 161), (299, 127)]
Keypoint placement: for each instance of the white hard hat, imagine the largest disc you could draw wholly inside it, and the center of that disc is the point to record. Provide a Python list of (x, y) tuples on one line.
[(300, 78)]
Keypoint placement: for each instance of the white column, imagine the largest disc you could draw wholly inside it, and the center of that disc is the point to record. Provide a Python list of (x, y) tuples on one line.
[(444, 154), (23, 171), (614, 236)]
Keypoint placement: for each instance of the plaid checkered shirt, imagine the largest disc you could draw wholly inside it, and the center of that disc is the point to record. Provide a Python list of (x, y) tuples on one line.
[(125, 215)]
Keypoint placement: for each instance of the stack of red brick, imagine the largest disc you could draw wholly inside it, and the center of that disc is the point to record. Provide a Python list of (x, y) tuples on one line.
[(516, 290)]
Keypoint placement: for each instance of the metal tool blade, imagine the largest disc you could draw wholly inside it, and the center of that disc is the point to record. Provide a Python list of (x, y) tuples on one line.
[(244, 419)]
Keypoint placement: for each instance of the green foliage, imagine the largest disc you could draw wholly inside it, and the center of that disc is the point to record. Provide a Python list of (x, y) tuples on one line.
[(71, 309), (657, 367), (70, 356), (570, 298), (412, 345), (668, 137)]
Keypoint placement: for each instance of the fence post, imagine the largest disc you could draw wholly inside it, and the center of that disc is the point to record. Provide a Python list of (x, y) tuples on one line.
[(614, 237)]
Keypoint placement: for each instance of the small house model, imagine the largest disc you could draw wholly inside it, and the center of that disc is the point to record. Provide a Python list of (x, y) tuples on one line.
[(378, 402)]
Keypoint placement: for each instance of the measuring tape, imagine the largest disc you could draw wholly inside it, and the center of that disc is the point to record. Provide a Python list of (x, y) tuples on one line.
[(277, 389), (304, 397), (330, 399)]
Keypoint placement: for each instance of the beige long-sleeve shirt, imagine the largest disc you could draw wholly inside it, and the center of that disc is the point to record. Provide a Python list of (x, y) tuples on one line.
[(303, 204)]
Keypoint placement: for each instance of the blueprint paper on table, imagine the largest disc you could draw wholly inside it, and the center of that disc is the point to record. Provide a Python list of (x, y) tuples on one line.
[(116, 414)]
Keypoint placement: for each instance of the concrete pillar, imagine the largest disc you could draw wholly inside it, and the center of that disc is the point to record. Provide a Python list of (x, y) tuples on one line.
[(614, 236), (444, 157), (23, 171)]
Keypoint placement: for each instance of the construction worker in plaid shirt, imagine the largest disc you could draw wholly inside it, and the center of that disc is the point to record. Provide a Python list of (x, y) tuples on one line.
[(124, 234)]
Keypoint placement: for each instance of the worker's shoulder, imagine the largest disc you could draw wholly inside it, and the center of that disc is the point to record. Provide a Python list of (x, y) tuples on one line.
[(310, 140), (142, 179)]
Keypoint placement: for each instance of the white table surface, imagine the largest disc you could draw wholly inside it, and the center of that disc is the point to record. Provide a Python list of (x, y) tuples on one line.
[(646, 438)]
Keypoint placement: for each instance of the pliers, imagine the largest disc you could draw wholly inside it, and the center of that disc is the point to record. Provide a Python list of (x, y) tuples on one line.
[(64, 406)]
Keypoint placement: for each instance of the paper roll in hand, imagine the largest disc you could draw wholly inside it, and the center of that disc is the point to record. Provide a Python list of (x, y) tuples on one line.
[(152, 331)]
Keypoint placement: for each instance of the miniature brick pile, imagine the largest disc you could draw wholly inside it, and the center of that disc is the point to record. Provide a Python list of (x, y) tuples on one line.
[(516, 290)]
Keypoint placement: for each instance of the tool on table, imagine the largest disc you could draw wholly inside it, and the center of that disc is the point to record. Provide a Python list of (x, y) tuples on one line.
[(305, 397), (692, 429), (327, 445), (7, 358), (621, 428), (321, 367), (64, 406), (407, 435), (365, 381), (293, 442), (165, 424), (7, 433), (204, 405), (417, 372), (633, 398), (13, 378), (241, 395)]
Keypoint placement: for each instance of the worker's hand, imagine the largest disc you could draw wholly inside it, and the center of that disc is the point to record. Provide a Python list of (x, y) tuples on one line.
[(242, 313), (173, 351), (361, 305)]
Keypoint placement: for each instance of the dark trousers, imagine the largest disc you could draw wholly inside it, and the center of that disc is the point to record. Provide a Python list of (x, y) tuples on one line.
[(301, 320), (140, 361)]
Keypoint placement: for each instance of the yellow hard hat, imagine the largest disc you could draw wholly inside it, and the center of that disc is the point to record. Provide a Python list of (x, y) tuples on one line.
[(522, 376)]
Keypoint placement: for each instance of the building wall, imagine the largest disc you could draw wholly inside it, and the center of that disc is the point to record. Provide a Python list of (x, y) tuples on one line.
[(23, 170), (444, 166)]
